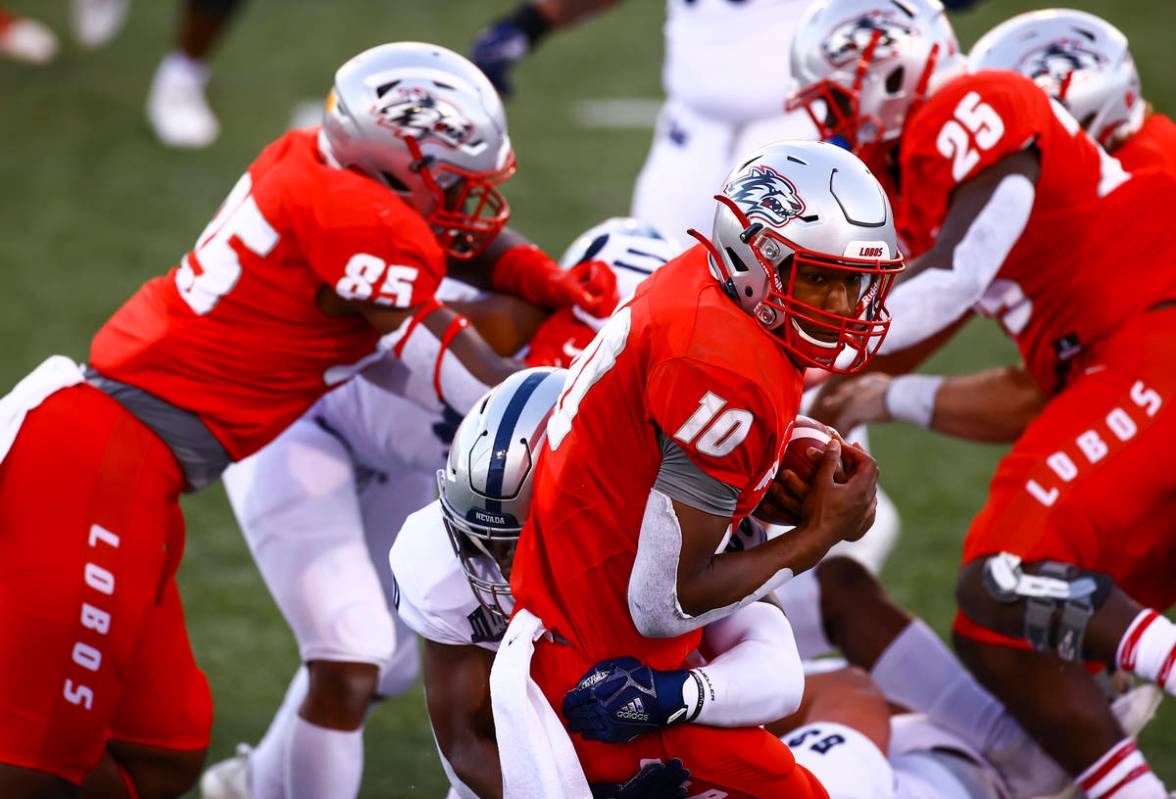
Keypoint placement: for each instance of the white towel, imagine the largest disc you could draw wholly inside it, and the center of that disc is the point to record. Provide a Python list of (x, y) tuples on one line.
[(55, 373), (538, 759)]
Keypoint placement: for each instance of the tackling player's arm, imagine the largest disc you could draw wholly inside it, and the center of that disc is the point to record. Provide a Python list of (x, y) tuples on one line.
[(457, 691)]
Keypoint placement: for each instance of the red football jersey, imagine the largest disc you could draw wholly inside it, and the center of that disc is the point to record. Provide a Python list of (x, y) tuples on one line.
[(1153, 145), (233, 334), (1098, 247), (682, 358)]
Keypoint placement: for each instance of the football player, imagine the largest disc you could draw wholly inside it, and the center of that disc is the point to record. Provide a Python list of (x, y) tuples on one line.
[(451, 562), (672, 425), (336, 486), (332, 239), (1083, 62), (1012, 210)]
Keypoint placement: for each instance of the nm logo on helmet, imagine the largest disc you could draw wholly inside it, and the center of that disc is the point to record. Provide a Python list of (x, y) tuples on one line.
[(414, 112), (1050, 66), (764, 193), (849, 40)]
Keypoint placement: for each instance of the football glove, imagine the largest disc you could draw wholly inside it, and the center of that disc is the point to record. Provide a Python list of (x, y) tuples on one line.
[(619, 699), (528, 272), (506, 42), (654, 781)]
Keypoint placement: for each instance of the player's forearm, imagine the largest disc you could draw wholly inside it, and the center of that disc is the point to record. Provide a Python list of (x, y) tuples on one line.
[(730, 577), (991, 406)]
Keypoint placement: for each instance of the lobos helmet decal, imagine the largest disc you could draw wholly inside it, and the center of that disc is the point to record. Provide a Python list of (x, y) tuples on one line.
[(765, 193), (414, 112), (849, 40), (1050, 66)]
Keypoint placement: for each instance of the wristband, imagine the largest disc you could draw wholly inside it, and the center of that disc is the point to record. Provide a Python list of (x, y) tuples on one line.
[(530, 20), (912, 398)]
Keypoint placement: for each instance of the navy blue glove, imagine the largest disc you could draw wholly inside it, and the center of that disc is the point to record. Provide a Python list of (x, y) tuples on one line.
[(506, 42), (619, 699), (654, 781)]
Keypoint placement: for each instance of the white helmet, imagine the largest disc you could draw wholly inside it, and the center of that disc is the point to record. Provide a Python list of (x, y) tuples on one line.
[(485, 487), (631, 248), (863, 64), (794, 204), (1080, 60), (425, 122)]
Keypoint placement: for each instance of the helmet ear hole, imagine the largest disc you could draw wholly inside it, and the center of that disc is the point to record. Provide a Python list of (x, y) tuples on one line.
[(736, 261), (894, 80), (396, 183)]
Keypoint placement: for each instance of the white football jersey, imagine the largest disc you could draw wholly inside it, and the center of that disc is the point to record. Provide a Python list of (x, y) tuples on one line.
[(433, 596), (731, 58)]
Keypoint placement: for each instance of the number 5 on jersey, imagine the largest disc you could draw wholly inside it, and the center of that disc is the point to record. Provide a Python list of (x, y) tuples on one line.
[(972, 120)]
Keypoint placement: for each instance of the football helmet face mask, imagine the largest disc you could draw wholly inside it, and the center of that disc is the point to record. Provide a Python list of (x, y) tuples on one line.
[(796, 208), (485, 487), (1080, 60), (862, 65), (425, 122)]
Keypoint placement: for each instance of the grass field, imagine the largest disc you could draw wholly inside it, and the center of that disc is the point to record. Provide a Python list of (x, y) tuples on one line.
[(91, 206)]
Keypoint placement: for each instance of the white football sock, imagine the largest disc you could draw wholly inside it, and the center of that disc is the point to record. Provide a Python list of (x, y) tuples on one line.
[(178, 65), (267, 778), (1148, 650), (918, 671), (322, 763), (1122, 773)]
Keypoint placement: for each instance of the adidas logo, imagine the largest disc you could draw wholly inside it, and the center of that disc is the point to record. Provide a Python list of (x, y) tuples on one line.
[(634, 711)]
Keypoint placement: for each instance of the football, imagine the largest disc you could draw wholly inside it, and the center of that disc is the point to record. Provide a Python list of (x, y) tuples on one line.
[(806, 434)]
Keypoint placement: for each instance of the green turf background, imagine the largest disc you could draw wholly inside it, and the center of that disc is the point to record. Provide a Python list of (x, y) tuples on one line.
[(91, 206)]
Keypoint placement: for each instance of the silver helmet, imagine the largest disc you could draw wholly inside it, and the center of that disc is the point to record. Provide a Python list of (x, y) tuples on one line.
[(862, 64), (1080, 60), (631, 248), (794, 208), (425, 122), (485, 487)]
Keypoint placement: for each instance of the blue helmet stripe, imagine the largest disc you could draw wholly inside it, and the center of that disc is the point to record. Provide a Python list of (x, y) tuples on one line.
[(503, 437)]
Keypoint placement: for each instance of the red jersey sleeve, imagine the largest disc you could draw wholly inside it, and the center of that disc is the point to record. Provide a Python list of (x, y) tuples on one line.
[(967, 126), (371, 248), (722, 420)]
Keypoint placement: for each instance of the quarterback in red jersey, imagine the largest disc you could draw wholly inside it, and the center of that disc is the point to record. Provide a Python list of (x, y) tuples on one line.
[(1013, 210), (672, 424), (332, 239)]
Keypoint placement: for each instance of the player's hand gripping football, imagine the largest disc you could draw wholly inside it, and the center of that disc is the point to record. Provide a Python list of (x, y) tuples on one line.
[(619, 699), (655, 781), (837, 504), (845, 404)]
